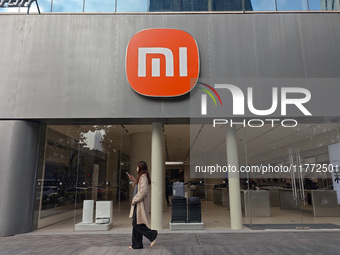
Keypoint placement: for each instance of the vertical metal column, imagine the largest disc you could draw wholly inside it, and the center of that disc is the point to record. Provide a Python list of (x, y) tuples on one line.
[(234, 179), (18, 164), (157, 176)]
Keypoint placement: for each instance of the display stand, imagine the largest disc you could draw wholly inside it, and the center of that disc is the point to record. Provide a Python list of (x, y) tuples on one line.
[(325, 203), (186, 226), (103, 216)]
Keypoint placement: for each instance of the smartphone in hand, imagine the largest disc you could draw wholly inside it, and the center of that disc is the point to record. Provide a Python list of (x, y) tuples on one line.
[(131, 178)]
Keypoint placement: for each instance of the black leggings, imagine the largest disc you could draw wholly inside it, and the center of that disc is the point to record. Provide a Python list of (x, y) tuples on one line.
[(140, 230)]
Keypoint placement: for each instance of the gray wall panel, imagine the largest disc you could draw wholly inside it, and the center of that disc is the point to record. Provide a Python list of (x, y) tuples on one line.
[(321, 37), (91, 66), (43, 68), (12, 33), (231, 47), (73, 66), (278, 46)]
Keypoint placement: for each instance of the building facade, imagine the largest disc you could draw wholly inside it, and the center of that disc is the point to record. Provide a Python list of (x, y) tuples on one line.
[(72, 124)]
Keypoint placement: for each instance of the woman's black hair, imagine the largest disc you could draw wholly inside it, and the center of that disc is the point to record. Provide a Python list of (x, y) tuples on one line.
[(143, 169)]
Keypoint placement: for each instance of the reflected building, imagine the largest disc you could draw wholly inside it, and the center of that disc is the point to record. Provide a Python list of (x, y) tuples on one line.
[(329, 5), (199, 5), (97, 141)]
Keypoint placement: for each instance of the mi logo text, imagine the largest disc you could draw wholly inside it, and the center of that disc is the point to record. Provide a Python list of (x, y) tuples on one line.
[(162, 62), (169, 62)]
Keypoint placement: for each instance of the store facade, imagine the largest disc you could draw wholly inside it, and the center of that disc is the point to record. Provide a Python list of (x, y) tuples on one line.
[(72, 123)]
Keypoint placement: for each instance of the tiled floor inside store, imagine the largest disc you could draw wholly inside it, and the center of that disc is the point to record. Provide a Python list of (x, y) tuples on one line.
[(215, 218)]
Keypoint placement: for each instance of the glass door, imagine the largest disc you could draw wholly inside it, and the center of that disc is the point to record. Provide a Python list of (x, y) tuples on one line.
[(266, 183), (317, 158), (291, 185)]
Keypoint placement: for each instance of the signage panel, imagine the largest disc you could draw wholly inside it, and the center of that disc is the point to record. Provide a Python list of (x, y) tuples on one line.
[(162, 62)]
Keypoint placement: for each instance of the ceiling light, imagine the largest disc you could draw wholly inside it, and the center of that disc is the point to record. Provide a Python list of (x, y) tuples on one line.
[(171, 163)]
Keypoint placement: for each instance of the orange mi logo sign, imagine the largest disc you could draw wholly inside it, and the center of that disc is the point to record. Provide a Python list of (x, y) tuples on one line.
[(162, 62)]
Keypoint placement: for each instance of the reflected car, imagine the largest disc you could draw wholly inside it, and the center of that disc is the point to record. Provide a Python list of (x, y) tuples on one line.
[(51, 195)]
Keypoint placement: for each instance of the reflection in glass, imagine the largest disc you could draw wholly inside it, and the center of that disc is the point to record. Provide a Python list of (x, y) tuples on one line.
[(329, 5), (292, 195), (297, 5), (208, 148), (102, 6), (9, 10), (132, 5), (221, 5), (270, 196), (82, 163), (67, 6), (179, 5), (44, 6), (314, 5), (164, 5), (263, 5), (197, 5)]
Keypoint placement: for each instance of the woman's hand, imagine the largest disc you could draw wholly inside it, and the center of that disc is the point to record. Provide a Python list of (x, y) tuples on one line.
[(132, 178)]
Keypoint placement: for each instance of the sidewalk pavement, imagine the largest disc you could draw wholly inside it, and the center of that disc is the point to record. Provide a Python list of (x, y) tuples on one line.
[(198, 242)]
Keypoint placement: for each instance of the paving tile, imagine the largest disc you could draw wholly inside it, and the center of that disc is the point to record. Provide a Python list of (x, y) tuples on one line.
[(295, 242)]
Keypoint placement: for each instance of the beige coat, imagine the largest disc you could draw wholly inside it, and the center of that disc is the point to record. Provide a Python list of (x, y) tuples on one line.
[(142, 198)]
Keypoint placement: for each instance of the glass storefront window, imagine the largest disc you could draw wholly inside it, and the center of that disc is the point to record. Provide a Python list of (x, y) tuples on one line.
[(286, 197), (102, 6), (220, 5), (292, 195), (82, 163), (9, 10), (90, 163), (164, 6), (180, 6), (298, 5), (263, 5), (227, 6), (314, 5), (208, 152), (324, 5), (44, 6), (132, 5), (67, 6), (195, 5)]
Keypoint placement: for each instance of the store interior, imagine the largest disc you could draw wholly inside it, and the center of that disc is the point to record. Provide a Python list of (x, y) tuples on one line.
[(89, 162)]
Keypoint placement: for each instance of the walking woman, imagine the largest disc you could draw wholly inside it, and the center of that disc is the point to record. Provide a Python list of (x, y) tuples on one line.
[(140, 208)]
